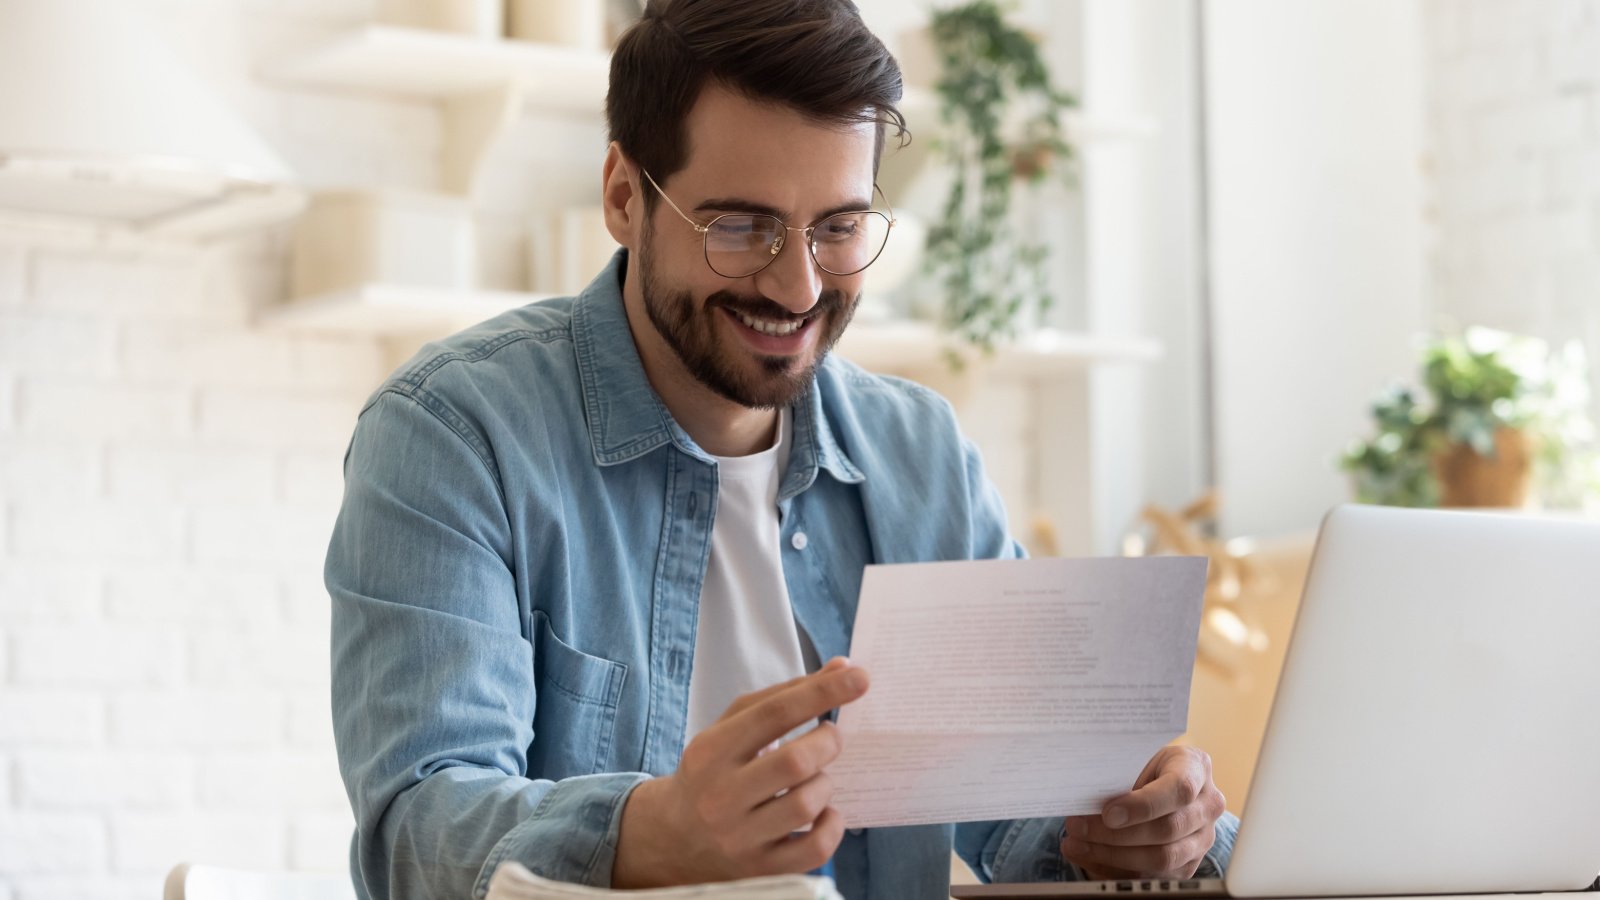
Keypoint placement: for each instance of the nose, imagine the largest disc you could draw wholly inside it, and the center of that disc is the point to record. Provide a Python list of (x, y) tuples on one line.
[(793, 280)]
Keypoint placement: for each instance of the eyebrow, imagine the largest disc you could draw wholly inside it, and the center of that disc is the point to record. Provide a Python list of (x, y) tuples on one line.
[(740, 205)]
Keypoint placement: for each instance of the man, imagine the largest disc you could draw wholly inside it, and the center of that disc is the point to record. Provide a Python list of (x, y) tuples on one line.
[(593, 552)]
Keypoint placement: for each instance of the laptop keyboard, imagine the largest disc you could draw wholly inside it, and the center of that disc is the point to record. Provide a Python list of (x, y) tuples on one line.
[(1159, 886)]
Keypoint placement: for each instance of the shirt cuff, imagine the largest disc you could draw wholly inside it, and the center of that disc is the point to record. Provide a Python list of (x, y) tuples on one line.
[(1215, 864), (1031, 851), (572, 834)]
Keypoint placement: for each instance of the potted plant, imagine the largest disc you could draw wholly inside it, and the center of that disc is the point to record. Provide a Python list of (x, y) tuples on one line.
[(1002, 125), (1501, 417), (1391, 467)]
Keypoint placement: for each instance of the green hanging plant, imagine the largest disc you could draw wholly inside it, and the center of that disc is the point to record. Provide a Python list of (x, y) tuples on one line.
[(992, 78)]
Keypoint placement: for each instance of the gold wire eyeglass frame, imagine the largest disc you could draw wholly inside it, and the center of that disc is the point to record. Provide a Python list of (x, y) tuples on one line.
[(778, 242)]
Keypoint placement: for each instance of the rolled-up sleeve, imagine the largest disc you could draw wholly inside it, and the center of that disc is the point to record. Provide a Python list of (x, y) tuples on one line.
[(1022, 850), (433, 672)]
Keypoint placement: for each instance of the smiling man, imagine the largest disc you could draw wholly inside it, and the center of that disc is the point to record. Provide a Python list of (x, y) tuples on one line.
[(593, 553)]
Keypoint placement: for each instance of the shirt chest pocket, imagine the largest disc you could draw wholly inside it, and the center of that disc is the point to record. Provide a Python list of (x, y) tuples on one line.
[(575, 712)]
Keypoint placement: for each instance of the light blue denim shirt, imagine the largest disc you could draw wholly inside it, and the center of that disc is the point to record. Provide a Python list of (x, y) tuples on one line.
[(515, 577)]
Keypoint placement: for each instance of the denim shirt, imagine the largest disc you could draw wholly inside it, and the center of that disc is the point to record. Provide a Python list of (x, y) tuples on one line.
[(515, 576)]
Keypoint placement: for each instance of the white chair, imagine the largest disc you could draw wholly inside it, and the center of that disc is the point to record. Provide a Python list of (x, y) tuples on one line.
[(191, 882)]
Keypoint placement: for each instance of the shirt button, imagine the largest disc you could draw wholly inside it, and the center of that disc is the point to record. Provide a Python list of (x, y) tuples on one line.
[(799, 540)]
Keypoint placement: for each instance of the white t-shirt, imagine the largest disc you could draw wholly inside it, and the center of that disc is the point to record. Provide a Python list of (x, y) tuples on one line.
[(747, 637)]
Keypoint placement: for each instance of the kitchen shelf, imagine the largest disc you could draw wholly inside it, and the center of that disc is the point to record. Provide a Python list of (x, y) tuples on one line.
[(920, 347), (383, 310), (417, 62), (485, 86), (392, 310), (437, 65)]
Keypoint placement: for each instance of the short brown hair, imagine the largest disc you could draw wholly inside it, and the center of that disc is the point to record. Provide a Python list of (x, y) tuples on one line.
[(816, 56)]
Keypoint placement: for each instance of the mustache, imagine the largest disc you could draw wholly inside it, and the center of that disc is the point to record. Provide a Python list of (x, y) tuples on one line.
[(763, 308)]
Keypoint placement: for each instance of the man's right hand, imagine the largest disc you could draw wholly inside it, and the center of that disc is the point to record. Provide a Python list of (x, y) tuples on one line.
[(732, 810)]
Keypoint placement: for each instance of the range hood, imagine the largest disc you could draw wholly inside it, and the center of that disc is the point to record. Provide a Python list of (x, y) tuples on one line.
[(101, 125)]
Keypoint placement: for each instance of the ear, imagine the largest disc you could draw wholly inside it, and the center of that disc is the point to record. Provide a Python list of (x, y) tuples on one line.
[(620, 198)]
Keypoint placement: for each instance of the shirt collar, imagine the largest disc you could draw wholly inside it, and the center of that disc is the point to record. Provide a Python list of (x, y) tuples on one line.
[(627, 419)]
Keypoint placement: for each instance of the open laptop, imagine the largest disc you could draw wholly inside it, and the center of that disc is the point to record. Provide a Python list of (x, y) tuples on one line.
[(1436, 729)]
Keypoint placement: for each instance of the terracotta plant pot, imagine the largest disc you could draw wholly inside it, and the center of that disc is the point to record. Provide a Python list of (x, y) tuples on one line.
[(1031, 160), (1468, 479)]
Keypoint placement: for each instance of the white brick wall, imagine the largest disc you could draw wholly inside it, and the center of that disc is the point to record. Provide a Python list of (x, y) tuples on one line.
[(96, 656), (65, 532), (86, 780), (141, 842), (197, 718), (51, 843), (1514, 121), (77, 408), (86, 887), (193, 596), (35, 717), (46, 594), (169, 474)]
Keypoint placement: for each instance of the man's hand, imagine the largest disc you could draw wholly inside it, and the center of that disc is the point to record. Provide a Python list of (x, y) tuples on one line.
[(734, 807), (1162, 829)]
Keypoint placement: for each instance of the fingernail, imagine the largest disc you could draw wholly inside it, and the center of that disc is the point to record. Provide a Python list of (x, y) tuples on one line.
[(1116, 817), (856, 680)]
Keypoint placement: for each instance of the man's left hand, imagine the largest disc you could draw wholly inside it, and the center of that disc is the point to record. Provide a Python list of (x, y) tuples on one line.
[(1161, 829)]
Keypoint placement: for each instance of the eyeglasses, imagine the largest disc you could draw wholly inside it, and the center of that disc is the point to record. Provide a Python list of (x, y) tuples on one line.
[(738, 245)]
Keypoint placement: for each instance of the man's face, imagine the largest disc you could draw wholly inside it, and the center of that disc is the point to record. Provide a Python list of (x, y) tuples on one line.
[(755, 340)]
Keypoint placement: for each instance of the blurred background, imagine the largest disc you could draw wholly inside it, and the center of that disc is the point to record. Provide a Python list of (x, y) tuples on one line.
[(1256, 259)]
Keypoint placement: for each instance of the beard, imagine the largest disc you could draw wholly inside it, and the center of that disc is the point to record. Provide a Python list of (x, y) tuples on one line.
[(690, 329)]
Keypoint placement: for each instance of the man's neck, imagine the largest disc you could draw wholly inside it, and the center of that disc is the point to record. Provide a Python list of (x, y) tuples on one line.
[(720, 426)]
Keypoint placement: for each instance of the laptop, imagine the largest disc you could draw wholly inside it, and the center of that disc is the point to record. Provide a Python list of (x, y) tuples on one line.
[(1436, 729)]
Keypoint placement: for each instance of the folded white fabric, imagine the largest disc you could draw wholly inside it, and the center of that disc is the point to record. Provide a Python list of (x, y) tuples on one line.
[(513, 881)]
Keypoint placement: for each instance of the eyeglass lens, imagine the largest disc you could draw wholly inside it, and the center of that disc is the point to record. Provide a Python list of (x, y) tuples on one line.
[(741, 245)]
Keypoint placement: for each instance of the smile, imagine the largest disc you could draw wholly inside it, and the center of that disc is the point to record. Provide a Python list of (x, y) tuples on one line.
[(768, 326)]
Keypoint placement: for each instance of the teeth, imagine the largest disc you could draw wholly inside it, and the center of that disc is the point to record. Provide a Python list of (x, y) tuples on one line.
[(766, 326)]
